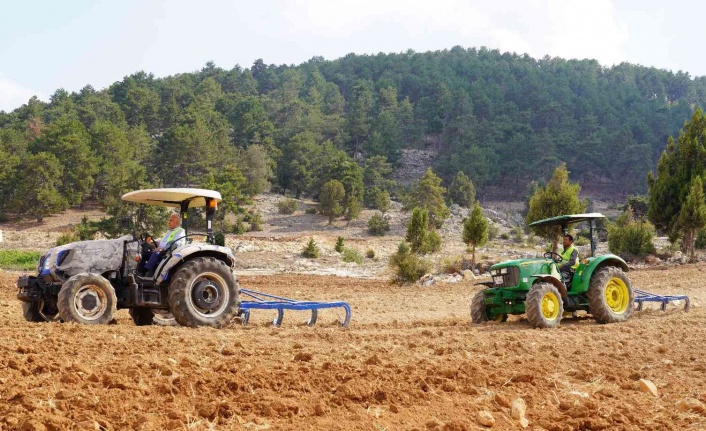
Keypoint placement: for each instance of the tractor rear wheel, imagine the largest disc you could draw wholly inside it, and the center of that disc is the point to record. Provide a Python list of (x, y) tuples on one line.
[(479, 311), (544, 306), (610, 295), (204, 292), (87, 298)]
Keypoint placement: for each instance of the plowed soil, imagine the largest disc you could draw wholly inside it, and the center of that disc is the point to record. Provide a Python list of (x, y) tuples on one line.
[(409, 360)]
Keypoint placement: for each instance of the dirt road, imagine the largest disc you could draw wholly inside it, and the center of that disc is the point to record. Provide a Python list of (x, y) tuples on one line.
[(410, 360)]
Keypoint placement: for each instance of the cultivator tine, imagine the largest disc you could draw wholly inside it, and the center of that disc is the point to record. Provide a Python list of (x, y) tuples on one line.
[(278, 320), (312, 319), (641, 297)]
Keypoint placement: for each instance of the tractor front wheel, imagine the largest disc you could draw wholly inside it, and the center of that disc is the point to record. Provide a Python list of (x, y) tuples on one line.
[(479, 311), (87, 299), (610, 295), (40, 311), (544, 306), (204, 292)]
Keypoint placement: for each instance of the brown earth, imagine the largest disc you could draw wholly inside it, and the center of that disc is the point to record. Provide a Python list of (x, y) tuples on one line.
[(409, 360)]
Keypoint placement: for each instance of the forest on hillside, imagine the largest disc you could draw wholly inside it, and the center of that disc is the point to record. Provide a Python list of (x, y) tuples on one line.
[(503, 119)]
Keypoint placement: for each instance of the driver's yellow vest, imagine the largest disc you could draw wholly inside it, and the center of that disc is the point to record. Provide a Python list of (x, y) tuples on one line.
[(174, 233), (566, 256)]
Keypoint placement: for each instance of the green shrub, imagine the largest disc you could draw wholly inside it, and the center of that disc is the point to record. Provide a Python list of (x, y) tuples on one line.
[(239, 227), (339, 245), (370, 254), (311, 250), (492, 231), (311, 210), (504, 236), (287, 206), (377, 225), (451, 265), (582, 240), (87, 230), (352, 255), (431, 244), (408, 266), (255, 219), (219, 239), (518, 235), (701, 240), (66, 238), (420, 234), (19, 260), (628, 235)]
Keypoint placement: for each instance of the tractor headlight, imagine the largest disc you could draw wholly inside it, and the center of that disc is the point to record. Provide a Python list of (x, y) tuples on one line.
[(503, 270)]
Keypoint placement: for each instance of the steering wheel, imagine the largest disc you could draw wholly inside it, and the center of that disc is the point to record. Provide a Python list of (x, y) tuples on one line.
[(553, 256), (147, 238)]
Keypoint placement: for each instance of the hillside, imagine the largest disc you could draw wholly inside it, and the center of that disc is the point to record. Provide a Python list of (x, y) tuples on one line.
[(503, 119)]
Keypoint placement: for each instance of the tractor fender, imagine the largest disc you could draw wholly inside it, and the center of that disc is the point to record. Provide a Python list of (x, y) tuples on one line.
[(548, 278), (189, 251), (600, 262)]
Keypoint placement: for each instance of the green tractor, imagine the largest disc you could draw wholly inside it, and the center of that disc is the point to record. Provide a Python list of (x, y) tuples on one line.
[(535, 287)]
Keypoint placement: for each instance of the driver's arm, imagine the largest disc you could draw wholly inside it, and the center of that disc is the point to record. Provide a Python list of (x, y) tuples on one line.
[(567, 266)]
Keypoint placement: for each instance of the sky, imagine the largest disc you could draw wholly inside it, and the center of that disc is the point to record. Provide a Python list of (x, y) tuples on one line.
[(47, 44)]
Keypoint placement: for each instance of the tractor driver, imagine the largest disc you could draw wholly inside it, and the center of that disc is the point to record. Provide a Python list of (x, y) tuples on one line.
[(175, 234), (570, 259)]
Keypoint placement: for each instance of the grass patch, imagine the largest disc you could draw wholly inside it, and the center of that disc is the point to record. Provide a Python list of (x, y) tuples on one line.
[(19, 260)]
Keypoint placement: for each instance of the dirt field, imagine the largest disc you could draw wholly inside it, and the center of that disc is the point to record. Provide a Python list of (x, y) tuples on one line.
[(410, 360)]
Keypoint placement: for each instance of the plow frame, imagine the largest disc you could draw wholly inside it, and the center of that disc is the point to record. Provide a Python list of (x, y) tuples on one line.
[(266, 301), (641, 297)]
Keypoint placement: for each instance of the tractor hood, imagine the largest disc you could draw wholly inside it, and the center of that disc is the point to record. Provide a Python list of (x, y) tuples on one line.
[(520, 262), (95, 256)]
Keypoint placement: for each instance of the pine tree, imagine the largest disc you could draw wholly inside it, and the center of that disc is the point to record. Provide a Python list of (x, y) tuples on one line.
[(692, 216), (429, 195), (331, 200), (475, 231), (462, 191), (559, 197)]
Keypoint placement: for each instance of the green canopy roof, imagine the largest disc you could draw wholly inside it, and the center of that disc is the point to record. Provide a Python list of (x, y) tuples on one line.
[(565, 220)]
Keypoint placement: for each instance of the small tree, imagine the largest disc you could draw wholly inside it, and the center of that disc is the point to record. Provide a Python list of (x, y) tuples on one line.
[(311, 250), (339, 245), (559, 197), (331, 200), (382, 201), (462, 191), (429, 195), (422, 238), (475, 231), (377, 225), (692, 216)]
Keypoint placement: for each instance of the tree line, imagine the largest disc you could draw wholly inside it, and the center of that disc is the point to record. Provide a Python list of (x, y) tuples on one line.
[(498, 118)]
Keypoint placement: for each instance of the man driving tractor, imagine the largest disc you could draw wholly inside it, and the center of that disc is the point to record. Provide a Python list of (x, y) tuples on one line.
[(175, 234), (570, 257)]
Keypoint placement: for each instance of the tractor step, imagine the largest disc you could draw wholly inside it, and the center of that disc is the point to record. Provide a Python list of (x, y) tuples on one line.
[(265, 301), (641, 297)]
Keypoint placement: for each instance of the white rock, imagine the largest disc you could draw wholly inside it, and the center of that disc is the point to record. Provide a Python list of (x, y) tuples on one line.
[(648, 386), (519, 408), (691, 405), (485, 418), (468, 275)]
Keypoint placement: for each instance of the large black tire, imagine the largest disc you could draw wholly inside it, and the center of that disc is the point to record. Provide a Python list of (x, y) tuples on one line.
[(479, 312), (610, 295), (40, 311), (147, 316), (204, 292), (87, 299), (544, 306)]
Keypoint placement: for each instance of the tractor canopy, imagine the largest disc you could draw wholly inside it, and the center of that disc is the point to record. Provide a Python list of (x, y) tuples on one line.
[(175, 198), (565, 220), (182, 198)]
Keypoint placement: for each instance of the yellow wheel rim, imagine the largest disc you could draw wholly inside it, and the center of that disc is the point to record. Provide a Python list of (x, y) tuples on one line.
[(550, 306), (498, 318), (617, 295)]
